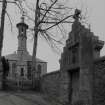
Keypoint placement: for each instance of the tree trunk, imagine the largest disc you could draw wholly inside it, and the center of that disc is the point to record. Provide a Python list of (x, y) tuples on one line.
[(4, 5), (34, 71)]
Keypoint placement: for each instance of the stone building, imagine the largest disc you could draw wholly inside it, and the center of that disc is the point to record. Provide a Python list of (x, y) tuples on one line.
[(81, 78), (20, 61), (78, 64)]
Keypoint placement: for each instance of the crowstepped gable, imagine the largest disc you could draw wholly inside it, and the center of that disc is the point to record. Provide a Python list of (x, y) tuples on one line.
[(71, 52), (82, 70)]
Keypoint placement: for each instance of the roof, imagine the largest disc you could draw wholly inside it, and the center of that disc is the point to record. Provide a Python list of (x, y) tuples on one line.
[(25, 56)]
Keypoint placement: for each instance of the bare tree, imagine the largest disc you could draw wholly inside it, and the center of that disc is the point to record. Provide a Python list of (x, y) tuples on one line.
[(3, 12), (50, 15), (3, 62)]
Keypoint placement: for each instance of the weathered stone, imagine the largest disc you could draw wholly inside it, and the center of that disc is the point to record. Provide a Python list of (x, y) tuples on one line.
[(81, 79)]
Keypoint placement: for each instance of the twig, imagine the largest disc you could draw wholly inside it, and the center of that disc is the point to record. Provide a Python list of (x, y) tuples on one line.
[(58, 23), (9, 20)]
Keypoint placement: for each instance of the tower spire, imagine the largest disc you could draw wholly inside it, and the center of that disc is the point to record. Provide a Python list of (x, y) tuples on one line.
[(22, 35), (22, 18)]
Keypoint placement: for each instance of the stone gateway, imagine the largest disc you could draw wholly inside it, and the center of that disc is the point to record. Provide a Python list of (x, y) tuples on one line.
[(81, 78)]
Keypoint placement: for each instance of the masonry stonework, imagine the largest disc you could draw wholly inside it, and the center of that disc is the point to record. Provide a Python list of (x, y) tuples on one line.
[(50, 84), (82, 71), (99, 82)]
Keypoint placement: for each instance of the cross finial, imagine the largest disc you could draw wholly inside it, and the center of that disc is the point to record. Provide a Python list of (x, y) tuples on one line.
[(77, 14)]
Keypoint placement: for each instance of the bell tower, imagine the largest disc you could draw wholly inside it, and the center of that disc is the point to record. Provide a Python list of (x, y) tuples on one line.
[(22, 47), (22, 38)]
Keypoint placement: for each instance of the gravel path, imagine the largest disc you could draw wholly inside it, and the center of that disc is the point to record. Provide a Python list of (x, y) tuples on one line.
[(11, 98)]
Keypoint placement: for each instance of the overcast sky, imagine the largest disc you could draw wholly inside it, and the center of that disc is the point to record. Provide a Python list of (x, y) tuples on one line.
[(96, 18)]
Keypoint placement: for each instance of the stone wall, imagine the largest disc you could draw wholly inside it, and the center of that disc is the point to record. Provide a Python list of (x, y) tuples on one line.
[(80, 79), (86, 66), (65, 87), (99, 82), (57, 86), (50, 84)]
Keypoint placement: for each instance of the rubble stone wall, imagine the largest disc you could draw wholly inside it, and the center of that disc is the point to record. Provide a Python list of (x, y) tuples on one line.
[(50, 84), (99, 82), (57, 85)]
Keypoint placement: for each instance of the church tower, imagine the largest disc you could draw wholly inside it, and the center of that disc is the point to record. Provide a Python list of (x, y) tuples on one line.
[(22, 52), (22, 38), (20, 61)]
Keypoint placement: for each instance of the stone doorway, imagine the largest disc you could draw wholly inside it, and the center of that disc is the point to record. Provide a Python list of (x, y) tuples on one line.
[(73, 85)]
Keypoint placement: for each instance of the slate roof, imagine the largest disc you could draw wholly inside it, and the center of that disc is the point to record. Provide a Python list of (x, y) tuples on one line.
[(25, 56)]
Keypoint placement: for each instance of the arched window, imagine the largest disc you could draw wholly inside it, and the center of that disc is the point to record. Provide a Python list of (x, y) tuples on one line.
[(39, 68), (29, 73)]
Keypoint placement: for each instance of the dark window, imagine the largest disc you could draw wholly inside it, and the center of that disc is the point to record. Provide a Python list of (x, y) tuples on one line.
[(22, 72), (22, 29)]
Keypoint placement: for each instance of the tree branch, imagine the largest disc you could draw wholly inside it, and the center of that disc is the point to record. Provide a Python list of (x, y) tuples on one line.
[(49, 9), (57, 23), (9, 20), (49, 22), (8, 1)]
